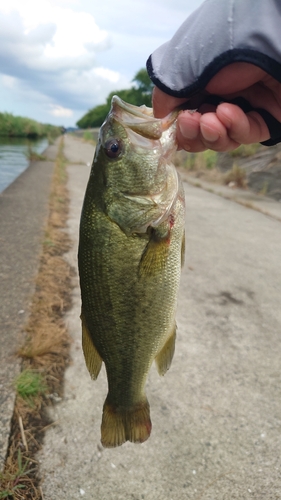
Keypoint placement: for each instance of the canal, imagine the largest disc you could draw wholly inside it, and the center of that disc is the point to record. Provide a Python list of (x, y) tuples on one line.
[(14, 157)]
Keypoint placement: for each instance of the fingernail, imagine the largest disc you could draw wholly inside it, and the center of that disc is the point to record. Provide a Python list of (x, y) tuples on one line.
[(209, 134), (186, 132)]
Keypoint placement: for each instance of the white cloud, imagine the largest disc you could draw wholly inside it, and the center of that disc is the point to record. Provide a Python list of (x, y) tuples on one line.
[(45, 35), (62, 56), (59, 111), (9, 81), (107, 74), (50, 48)]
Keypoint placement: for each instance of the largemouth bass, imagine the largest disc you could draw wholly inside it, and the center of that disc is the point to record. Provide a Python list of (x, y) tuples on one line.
[(130, 254)]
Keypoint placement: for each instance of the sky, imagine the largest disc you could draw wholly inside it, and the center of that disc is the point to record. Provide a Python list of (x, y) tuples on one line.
[(60, 58)]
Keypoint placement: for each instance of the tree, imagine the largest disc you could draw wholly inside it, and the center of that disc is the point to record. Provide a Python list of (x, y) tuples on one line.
[(144, 85), (140, 93), (95, 116)]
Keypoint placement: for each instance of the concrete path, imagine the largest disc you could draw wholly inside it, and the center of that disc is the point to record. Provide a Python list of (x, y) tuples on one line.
[(23, 213), (217, 413)]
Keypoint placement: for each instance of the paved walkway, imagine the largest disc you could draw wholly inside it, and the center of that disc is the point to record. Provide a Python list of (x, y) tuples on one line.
[(23, 213), (217, 413), (244, 197)]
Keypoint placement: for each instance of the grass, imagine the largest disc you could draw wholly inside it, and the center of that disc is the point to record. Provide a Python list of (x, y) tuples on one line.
[(29, 385), (33, 156), (88, 136), (204, 165), (237, 176), (210, 158), (264, 189), (45, 329), (18, 126), (45, 353), (200, 165), (196, 161), (245, 150), (16, 480)]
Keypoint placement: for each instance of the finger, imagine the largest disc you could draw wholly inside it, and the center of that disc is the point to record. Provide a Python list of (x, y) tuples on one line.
[(242, 128), (188, 132), (189, 124), (198, 132), (214, 134), (163, 104)]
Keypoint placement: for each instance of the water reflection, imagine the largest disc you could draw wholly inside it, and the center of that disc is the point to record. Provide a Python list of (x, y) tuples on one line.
[(13, 157)]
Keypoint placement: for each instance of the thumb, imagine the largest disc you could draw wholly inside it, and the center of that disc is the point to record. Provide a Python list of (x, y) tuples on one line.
[(163, 104)]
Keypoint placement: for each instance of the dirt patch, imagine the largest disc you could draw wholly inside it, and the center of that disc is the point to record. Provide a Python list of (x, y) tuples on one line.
[(46, 350)]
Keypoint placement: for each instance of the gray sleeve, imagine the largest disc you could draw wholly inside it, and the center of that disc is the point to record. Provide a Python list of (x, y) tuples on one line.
[(218, 33)]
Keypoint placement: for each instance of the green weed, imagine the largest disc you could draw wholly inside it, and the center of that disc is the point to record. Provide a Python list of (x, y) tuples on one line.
[(11, 482), (245, 150), (264, 189), (48, 243), (30, 384), (88, 136), (190, 161), (33, 156), (236, 175), (210, 158), (200, 161)]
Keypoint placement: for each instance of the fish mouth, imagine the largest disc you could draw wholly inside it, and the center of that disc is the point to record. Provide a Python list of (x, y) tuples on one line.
[(140, 119)]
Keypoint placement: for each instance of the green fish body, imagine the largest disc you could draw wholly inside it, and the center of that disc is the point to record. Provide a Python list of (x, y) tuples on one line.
[(130, 254)]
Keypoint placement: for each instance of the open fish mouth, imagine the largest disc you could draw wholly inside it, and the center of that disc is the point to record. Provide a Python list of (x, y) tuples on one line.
[(140, 119)]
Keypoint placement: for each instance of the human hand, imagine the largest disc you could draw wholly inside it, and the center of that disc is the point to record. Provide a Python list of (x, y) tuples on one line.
[(225, 127)]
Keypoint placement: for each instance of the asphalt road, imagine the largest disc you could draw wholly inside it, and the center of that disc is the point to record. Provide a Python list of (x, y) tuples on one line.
[(216, 414)]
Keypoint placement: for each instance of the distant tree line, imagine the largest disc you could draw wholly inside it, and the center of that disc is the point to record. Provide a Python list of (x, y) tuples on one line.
[(139, 94), (18, 126)]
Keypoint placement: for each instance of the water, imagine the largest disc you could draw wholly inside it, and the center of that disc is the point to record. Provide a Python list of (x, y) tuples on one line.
[(13, 157)]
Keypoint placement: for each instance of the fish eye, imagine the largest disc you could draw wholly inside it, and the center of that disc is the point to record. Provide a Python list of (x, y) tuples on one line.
[(113, 148)]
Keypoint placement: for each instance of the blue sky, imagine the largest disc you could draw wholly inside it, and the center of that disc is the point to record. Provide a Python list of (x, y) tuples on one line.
[(59, 58)]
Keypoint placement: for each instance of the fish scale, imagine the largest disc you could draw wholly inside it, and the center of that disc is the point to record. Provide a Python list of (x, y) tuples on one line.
[(130, 254)]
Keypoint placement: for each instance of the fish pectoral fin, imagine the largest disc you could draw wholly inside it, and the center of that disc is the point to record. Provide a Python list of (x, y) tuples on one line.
[(92, 357), (120, 425), (164, 358), (156, 251)]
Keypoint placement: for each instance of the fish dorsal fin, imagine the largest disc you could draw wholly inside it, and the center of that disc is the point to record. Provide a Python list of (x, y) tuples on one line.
[(164, 358), (92, 357)]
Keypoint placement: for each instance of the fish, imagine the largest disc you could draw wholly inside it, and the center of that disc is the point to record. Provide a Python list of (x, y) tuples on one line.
[(131, 250)]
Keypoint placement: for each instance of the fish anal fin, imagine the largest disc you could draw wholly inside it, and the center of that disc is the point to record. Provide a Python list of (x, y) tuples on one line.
[(120, 425), (164, 358), (92, 358)]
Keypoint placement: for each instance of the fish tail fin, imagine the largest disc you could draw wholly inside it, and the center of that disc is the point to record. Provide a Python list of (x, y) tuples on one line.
[(119, 425)]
